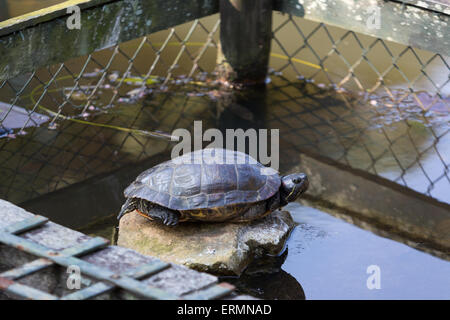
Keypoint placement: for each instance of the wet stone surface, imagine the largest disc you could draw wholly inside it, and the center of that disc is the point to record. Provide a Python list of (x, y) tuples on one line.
[(217, 248)]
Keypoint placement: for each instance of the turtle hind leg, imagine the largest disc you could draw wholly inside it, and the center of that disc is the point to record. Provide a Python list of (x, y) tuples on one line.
[(165, 216), (129, 206)]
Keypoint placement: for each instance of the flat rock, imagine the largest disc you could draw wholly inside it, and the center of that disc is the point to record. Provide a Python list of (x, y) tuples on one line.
[(217, 248)]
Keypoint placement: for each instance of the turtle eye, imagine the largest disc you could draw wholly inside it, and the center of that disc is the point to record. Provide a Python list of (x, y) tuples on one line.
[(297, 180)]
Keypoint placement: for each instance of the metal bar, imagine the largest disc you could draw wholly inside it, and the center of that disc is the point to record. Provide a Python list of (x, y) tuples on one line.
[(143, 290), (25, 225), (124, 282), (27, 269), (86, 247), (147, 269), (86, 268), (101, 287), (213, 292), (24, 291), (40, 264), (25, 245), (89, 292)]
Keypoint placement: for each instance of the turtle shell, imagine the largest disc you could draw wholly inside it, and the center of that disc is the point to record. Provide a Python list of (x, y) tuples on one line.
[(206, 179)]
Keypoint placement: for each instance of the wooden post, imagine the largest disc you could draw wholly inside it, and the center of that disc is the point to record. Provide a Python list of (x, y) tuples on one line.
[(245, 37)]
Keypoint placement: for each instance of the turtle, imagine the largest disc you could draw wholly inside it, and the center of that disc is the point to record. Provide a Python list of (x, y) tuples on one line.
[(211, 185)]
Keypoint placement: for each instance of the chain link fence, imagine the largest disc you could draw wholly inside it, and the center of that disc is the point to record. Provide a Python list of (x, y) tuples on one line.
[(63, 124), (365, 102), (394, 116)]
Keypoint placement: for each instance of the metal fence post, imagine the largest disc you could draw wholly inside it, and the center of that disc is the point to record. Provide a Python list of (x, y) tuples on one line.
[(245, 37)]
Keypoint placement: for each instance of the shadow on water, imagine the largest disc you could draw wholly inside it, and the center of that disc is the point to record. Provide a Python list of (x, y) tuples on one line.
[(274, 286), (265, 279)]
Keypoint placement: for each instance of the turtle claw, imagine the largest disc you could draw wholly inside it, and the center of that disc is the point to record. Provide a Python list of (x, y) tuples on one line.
[(165, 216), (171, 220)]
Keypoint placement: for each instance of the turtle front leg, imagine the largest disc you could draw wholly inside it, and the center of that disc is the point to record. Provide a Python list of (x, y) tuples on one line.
[(165, 216)]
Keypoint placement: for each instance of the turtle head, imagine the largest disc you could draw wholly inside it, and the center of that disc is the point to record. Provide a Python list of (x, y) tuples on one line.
[(292, 186)]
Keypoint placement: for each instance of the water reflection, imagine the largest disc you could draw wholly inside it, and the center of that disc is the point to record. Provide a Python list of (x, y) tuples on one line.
[(243, 109), (274, 286), (265, 279)]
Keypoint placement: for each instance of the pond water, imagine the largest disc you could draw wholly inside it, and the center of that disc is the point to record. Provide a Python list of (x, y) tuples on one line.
[(327, 258), (330, 258)]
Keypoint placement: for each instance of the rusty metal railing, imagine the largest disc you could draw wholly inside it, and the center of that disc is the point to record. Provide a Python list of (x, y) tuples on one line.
[(106, 280)]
